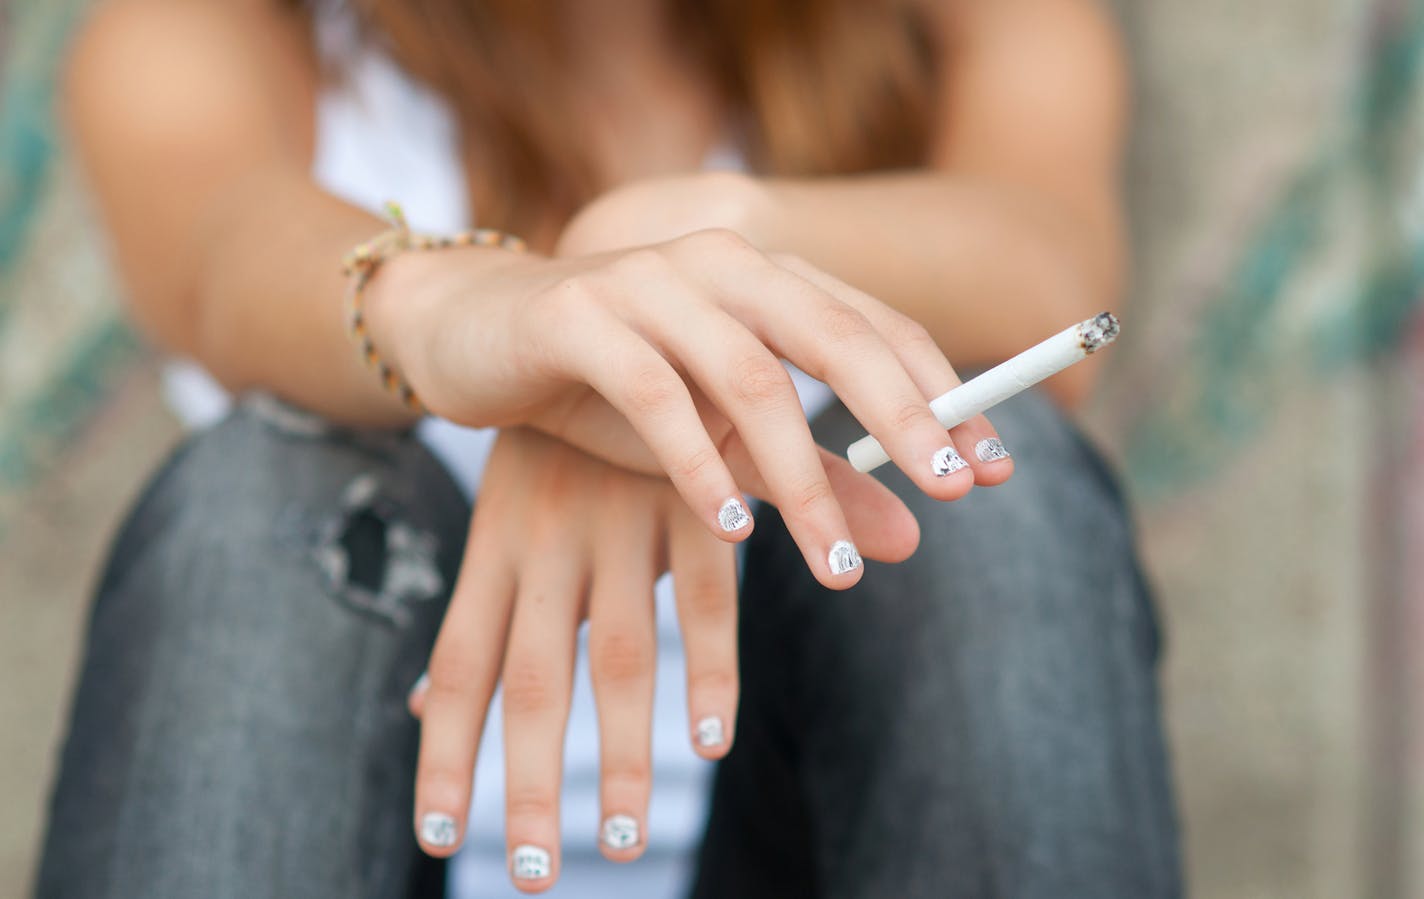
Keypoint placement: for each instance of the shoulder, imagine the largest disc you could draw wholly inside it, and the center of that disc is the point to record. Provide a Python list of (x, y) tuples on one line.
[(1031, 40), (1055, 67), (165, 65)]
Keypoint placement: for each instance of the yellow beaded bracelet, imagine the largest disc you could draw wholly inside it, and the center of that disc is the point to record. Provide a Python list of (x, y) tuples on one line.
[(364, 260)]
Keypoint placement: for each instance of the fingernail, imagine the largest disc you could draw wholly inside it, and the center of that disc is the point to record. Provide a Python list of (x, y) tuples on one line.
[(947, 461), (620, 832), (843, 557), (709, 732), (437, 829), (421, 684), (529, 862), (733, 516), (990, 449)]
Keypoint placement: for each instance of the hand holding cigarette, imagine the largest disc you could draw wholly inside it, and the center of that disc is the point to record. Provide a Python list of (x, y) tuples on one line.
[(1003, 381)]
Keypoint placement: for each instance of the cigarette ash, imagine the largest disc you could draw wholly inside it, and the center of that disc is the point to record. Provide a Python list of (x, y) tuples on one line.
[(1098, 331)]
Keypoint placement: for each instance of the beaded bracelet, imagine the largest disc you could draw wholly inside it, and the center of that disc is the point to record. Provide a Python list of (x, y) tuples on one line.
[(364, 260)]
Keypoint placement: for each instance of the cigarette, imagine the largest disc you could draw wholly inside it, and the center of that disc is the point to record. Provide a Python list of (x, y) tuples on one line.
[(1003, 381)]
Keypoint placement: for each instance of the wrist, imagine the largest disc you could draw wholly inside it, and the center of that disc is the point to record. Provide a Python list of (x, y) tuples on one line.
[(663, 209), (426, 311), (738, 202), (398, 304)]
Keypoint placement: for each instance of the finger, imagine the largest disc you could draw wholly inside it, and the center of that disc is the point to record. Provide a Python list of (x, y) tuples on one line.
[(981, 445), (538, 684), (927, 366), (832, 341), (753, 390), (622, 655), (638, 382), (705, 583), (881, 526), (464, 668), (880, 523)]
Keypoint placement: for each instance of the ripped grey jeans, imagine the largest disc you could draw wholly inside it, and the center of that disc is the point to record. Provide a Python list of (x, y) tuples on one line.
[(981, 721)]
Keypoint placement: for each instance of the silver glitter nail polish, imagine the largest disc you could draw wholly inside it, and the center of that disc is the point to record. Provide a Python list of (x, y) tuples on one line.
[(619, 832), (733, 515), (709, 732), (529, 862), (843, 557), (946, 461), (438, 829), (990, 449)]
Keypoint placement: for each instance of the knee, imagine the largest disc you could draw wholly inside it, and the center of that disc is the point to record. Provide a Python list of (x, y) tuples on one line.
[(1023, 591), (272, 502), (1055, 543)]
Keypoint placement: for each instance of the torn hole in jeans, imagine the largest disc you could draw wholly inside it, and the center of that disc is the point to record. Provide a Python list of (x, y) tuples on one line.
[(373, 560)]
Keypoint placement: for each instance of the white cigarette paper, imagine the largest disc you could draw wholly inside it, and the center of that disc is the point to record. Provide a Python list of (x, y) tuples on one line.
[(1003, 381)]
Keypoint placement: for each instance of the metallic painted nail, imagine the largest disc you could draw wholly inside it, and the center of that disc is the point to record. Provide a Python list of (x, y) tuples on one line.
[(733, 515), (946, 461), (620, 832), (990, 449), (438, 829), (529, 862), (843, 557), (422, 683), (709, 732)]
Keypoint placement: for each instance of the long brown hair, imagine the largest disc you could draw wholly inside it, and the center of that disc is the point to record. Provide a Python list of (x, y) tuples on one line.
[(820, 86)]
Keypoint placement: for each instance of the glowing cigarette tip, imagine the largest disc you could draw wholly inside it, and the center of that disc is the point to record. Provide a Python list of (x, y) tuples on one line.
[(1004, 380)]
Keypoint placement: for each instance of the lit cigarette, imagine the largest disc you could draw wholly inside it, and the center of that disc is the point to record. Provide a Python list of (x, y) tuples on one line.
[(1003, 381)]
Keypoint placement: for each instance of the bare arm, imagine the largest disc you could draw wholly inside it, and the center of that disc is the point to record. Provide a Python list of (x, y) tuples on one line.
[(194, 124), (1015, 230), (194, 121)]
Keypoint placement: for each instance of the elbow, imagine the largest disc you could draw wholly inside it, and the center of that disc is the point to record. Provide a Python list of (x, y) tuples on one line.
[(178, 323)]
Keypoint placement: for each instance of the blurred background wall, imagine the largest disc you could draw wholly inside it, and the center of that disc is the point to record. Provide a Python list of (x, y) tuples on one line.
[(1264, 407)]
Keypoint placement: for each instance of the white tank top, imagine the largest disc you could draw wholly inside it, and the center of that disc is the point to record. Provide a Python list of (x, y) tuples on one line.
[(380, 135)]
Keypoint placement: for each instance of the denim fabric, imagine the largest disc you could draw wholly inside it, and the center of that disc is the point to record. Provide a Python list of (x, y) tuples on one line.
[(981, 721)]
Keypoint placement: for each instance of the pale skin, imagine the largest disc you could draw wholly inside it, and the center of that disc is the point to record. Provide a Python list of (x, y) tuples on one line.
[(1011, 233)]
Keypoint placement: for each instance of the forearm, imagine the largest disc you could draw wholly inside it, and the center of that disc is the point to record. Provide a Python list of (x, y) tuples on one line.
[(263, 304), (193, 123), (986, 268)]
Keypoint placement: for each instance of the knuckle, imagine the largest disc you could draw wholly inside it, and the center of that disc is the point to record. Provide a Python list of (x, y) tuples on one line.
[(716, 681), (642, 264), (437, 775), (627, 772), (906, 332), (759, 380), (705, 596), (695, 466), (811, 497), (715, 241), (530, 802), (843, 324), (911, 414), (652, 391), (620, 658), (453, 669), (528, 688)]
